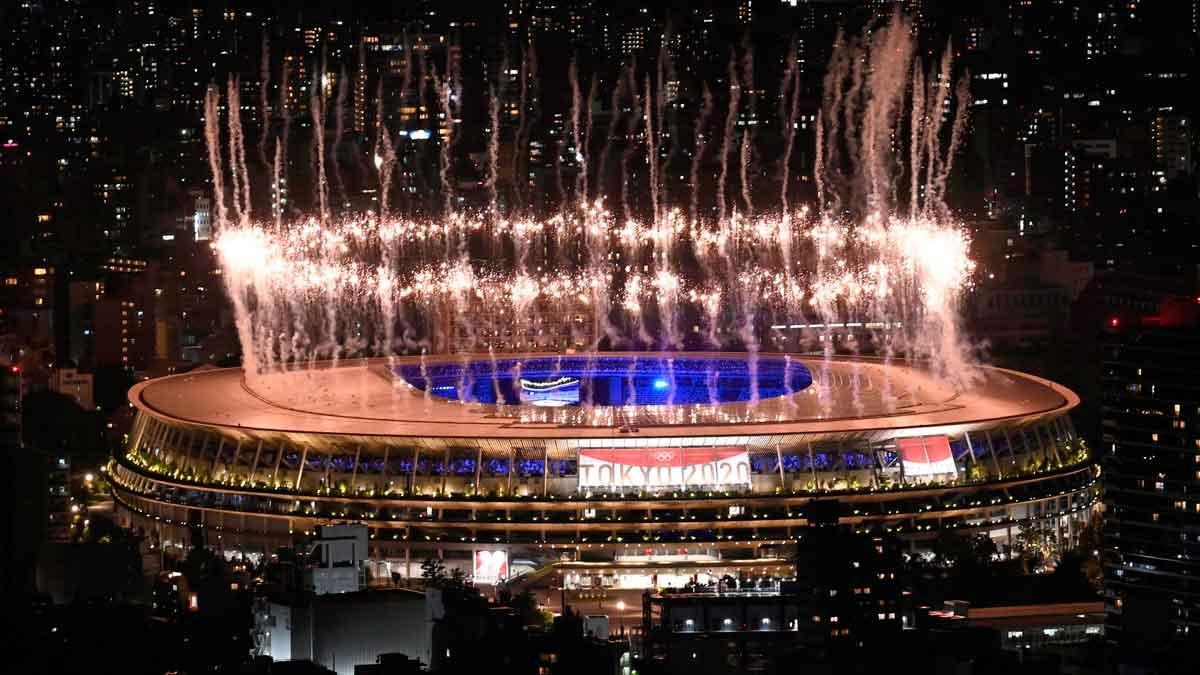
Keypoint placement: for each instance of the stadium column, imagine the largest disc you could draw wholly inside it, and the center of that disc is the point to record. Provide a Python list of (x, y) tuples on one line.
[(1068, 427), (970, 450), (1025, 443), (175, 442), (254, 466), (212, 470), (300, 469), (383, 482), (164, 440), (512, 460), (278, 458), (1053, 445), (779, 465), (412, 471), (445, 469), (478, 468), (148, 429), (156, 435), (876, 462), (545, 470), (1061, 431), (145, 436), (150, 436), (165, 443), (812, 466), (203, 457), (354, 472), (1058, 429), (149, 433), (1012, 453), (187, 457), (135, 434), (328, 469), (987, 436), (237, 453)]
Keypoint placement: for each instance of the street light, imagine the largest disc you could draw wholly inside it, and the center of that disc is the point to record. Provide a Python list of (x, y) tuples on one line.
[(621, 616)]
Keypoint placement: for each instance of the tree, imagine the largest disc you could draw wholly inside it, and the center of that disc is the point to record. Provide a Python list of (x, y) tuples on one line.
[(1069, 580), (433, 571), (1089, 545), (531, 613), (1034, 545), (56, 423), (951, 549)]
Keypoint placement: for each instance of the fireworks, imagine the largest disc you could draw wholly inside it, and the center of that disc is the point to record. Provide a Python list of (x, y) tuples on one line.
[(329, 287), (795, 265)]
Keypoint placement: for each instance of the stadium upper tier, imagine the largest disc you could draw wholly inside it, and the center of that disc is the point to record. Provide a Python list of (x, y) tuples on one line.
[(385, 401)]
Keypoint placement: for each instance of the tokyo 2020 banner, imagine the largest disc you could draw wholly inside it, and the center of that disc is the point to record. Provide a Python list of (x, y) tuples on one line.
[(651, 468)]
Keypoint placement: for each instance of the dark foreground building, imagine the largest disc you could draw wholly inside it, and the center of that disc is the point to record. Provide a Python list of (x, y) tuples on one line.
[(842, 608), (1151, 453)]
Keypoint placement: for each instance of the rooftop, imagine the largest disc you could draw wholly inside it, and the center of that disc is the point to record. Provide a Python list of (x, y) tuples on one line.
[(364, 398)]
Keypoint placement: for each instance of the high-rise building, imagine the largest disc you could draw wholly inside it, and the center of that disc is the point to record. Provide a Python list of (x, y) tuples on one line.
[(1151, 450), (1171, 140), (22, 491)]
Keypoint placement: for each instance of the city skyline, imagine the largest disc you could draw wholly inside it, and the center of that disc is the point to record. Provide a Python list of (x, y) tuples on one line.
[(518, 284)]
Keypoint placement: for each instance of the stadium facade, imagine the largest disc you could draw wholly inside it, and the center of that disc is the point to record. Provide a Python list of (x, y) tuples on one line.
[(619, 470)]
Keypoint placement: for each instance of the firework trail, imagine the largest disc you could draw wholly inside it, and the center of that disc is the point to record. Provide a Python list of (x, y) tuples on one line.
[(264, 83), (339, 128), (635, 118), (212, 137), (699, 136), (493, 175), (731, 115), (317, 109)]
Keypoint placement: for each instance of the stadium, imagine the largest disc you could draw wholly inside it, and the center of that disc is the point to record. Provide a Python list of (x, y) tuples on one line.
[(617, 470)]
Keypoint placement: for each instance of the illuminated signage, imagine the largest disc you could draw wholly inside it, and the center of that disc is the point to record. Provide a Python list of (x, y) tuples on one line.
[(926, 456), (553, 394), (650, 468), (490, 566)]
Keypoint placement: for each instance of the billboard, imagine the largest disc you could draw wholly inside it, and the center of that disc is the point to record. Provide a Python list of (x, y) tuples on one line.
[(926, 456), (651, 468), (490, 566)]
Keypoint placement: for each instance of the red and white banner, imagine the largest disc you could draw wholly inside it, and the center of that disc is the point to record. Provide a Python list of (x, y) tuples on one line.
[(490, 566), (650, 468), (926, 456)]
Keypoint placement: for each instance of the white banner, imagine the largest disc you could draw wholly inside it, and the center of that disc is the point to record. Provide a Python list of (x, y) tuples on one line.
[(490, 566), (656, 468)]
